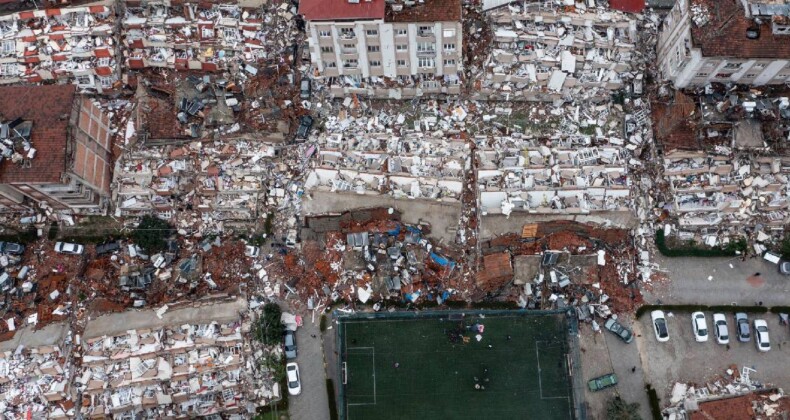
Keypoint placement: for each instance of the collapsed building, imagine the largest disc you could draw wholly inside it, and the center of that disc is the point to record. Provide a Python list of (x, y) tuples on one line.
[(35, 382), (725, 161), (549, 51), (725, 41), (385, 49)]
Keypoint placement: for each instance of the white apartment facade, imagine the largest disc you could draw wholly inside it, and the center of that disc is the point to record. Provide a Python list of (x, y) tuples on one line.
[(746, 42), (360, 47)]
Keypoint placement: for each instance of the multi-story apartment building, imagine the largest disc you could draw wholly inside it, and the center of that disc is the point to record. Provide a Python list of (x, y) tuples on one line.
[(741, 41), (355, 44), (55, 149)]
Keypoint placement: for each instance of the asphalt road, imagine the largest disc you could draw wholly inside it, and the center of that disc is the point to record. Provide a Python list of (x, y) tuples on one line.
[(719, 281), (312, 403)]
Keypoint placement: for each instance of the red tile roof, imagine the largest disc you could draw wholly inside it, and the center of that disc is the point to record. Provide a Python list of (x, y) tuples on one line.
[(430, 11), (725, 34), (629, 6), (341, 10), (49, 108)]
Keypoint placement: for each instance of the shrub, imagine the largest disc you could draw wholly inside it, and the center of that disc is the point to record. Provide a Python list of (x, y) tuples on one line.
[(323, 324), (655, 403), (692, 250), (330, 394), (151, 233), (780, 309), (25, 237), (269, 330)]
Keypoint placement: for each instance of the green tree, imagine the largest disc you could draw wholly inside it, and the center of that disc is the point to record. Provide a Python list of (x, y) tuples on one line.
[(617, 409), (151, 233), (269, 329), (786, 247)]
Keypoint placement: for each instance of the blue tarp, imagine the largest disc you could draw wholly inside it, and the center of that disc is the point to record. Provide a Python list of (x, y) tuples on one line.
[(444, 262), (394, 232)]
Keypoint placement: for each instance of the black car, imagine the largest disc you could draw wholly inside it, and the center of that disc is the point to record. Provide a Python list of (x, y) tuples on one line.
[(305, 124), (107, 248), (11, 248), (290, 345)]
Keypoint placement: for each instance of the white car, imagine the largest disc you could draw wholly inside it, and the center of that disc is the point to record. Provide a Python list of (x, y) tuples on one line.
[(294, 383), (761, 335), (252, 251), (660, 326), (699, 326), (720, 329), (69, 248)]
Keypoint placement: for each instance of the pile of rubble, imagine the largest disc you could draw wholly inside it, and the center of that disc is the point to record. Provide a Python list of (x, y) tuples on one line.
[(35, 382)]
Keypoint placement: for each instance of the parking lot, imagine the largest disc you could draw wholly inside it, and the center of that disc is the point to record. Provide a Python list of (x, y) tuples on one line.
[(685, 360)]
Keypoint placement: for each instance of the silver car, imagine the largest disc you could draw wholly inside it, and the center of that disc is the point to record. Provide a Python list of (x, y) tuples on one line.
[(69, 248)]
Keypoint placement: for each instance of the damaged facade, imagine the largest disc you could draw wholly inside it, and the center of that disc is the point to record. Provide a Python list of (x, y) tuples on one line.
[(56, 149), (74, 44), (548, 51), (746, 42), (385, 49)]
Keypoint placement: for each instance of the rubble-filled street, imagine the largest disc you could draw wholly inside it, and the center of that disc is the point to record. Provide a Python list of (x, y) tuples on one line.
[(184, 185)]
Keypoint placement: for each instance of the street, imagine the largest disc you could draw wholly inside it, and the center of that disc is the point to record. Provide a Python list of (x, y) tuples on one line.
[(312, 403), (690, 284)]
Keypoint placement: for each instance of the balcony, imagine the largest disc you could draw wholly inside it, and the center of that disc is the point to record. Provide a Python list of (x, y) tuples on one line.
[(425, 33), (426, 53), (348, 35)]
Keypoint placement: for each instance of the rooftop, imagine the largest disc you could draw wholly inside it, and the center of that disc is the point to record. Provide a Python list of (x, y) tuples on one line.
[(341, 10), (48, 107), (719, 30), (430, 11), (629, 6)]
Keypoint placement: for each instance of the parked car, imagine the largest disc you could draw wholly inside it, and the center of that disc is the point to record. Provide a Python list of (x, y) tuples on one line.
[(602, 382), (69, 248), (784, 268), (742, 326), (305, 124), (619, 330), (252, 251), (11, 248), (305, 89), (294, 383), (107, 248), (700, 327), (761, 335), (720, 329), (290, 344), (660, 325)]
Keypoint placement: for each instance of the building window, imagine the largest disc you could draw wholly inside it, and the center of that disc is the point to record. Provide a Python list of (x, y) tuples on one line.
[(84, 80), (702, 75), (9, 69), (449, 33), (207, 32), (375, 63), (759, 65), (449, 47), (449, 62), (231, 34), (9, 46), (750, 75), (401, 32), (732, 66), (425, 47), (350, 64), (103, 62), (401, 47), (329, 64), (106, 82), (327, 49), (401, 63), (347, 32), (372, 32), (723, 75), (349, 47), (374, 48), (426, 62), (425, 30), (324, 33)]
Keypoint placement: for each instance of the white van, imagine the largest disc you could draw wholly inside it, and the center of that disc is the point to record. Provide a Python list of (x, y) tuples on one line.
[(771, 257)]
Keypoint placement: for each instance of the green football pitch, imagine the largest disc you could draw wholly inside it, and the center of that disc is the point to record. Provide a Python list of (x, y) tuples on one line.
[(435, 368)]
